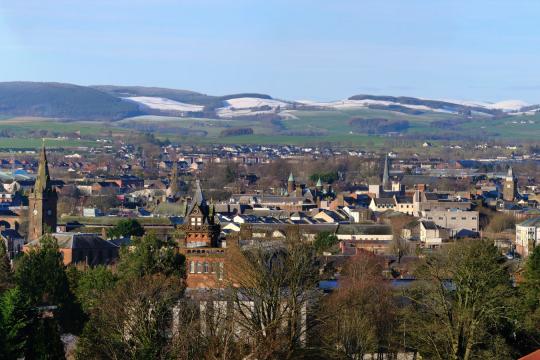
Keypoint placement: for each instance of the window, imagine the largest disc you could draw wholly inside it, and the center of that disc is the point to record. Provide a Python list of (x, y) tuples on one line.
[(205, 267), (199, 268), (463, 218), (220, 271), (192, 267), (453, 218)]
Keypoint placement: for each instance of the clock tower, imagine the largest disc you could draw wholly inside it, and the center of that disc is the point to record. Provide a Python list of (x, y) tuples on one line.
[(42, 202), (510, 186)]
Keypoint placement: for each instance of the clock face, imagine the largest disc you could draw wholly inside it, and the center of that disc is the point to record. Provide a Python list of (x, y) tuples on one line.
[(35, 211)]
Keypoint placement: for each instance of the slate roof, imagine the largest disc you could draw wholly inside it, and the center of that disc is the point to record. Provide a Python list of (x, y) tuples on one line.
[(79, 241)]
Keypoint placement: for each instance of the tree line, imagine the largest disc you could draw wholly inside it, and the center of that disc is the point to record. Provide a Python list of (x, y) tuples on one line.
[(466, 302)]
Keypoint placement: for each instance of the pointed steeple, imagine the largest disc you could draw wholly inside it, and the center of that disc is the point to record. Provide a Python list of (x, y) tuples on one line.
[(319, 184), (172, 190), (386, 174), (198, 199), (291, 177), (291, 184), (510, 174), (199, 207), (43, 179)]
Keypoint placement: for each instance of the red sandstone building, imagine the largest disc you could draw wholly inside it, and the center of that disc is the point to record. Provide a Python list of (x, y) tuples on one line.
[(205, 259)]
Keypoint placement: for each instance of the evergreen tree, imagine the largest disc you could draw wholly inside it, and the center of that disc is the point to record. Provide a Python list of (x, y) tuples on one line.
[(5, 269), (127, 227), (151, 256), (16, 321), (42, 279), (45, 343), (531, 283), (529, 304), (91, 284)]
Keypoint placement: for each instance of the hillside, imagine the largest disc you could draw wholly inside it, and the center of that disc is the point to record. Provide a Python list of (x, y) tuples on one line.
[(40, 109), (64, 101), (182, 96)]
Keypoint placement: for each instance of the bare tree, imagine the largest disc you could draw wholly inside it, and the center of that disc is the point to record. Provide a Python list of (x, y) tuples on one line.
[(461, 299), (359, 318), (272, 288)]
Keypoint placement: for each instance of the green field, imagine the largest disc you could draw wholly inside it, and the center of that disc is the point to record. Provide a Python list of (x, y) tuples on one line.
[(25, 133), (302, 128)]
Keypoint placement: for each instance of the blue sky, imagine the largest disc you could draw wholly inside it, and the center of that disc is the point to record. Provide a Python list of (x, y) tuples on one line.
[(295, 49)]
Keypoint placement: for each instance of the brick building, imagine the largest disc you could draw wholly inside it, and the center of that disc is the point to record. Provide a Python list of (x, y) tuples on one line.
[(205, 259)]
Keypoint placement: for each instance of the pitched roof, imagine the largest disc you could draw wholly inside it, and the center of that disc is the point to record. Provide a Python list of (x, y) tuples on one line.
[(69, 240), (532, 356), (533, 222)]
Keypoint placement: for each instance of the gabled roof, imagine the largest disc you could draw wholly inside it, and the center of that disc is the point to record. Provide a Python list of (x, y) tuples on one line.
[(384, 201)]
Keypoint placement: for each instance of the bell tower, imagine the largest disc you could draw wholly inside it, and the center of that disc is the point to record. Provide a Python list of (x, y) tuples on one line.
[(42, 202)]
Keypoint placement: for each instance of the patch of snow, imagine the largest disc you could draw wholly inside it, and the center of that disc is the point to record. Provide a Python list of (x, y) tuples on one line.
[(249, 102), (508, 105), (505, 105), (160, 103), (355, 104)]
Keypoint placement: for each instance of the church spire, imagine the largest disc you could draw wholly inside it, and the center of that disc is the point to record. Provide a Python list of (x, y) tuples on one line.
[(43, 179), (172, 190), (386, 174), (510, 174)]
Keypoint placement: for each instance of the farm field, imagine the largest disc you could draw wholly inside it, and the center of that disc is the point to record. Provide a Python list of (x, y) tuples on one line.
[(301, 127)]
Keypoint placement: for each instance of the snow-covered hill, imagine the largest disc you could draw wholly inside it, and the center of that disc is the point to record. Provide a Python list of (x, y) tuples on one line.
[(163, 104), (246, 106), (443, 106)]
